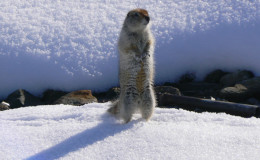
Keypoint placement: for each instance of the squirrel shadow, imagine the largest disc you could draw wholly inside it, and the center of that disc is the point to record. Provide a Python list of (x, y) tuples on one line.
[(106, 128)]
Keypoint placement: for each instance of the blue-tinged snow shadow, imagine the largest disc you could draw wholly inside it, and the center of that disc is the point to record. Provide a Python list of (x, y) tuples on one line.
[(88, 137)]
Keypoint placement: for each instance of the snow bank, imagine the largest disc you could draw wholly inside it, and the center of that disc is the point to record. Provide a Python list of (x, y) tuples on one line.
[(88, 132), (71, 45)]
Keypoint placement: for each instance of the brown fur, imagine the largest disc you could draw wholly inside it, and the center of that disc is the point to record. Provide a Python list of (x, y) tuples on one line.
[(140, 79), (142, 12)]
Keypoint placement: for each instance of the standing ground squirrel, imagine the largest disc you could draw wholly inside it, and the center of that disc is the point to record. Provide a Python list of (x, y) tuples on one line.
[(136, 67)]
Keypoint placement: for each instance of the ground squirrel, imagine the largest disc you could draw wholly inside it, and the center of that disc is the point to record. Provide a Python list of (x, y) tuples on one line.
[(136, 67)]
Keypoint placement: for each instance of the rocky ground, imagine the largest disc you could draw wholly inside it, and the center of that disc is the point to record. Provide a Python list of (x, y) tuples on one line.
[(240, 87)]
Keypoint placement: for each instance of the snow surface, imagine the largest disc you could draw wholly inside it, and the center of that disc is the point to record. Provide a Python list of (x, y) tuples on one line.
[(88, 132), (71, 44)]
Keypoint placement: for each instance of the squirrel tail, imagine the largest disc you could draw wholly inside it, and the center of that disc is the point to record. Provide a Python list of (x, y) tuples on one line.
[(114, 108)]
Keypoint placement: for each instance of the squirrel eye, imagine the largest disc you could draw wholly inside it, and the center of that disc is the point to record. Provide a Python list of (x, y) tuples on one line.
[(136, 14)]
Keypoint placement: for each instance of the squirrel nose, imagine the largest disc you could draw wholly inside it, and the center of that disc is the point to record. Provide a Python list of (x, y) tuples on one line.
[(147, 18)]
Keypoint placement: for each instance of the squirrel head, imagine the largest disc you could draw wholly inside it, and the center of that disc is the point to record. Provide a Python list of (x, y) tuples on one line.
[(137, 20)]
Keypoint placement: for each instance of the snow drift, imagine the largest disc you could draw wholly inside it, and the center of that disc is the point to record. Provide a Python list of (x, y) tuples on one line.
[(71, 45), (88, 132)]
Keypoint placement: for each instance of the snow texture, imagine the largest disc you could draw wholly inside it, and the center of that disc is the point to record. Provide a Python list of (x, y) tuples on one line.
[(88, 132), (71, 44)]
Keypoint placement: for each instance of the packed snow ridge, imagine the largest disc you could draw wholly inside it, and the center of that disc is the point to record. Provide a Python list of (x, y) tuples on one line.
[(71, 45)]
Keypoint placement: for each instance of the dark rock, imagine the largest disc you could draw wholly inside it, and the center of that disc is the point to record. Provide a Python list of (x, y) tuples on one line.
[(188, 77), (50, 96), (111, 95), (238, 93), (257, 96), (252, 101), (200, 89), (162, 90), (252, 85), (77, 98), (22, 98), (233, 78), (4, 106), (198, 86), (175, 85), (215, 76), (159, 90), (242, 90)]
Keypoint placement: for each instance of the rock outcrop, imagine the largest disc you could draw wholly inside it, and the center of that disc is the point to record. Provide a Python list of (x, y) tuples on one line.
[(77, 98), (4, 106), (22, 98), (235, 77)]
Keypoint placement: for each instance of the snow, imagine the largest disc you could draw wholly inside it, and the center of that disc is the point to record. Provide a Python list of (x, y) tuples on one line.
[(88, 132), (71, 45)]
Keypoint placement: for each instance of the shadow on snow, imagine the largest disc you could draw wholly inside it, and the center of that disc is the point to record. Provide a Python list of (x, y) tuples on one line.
[(81, 140)]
